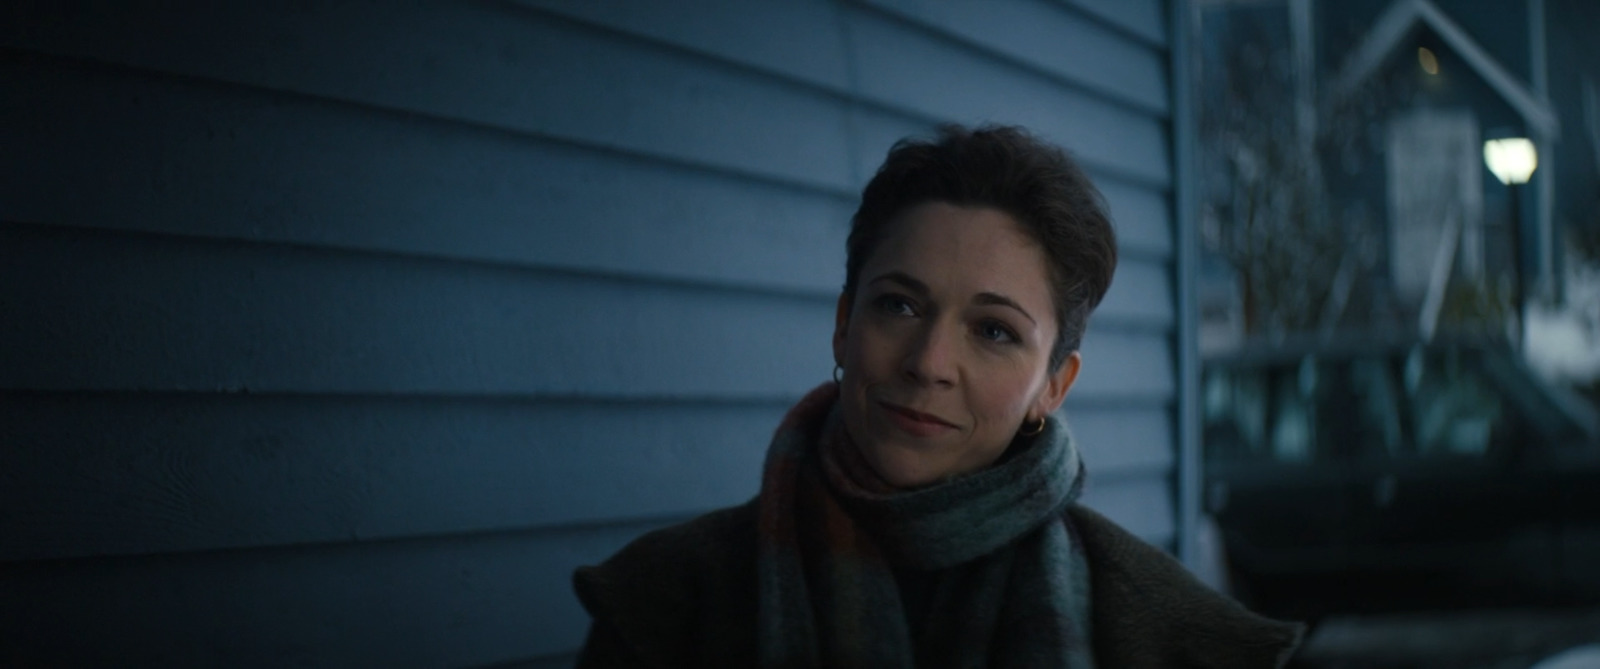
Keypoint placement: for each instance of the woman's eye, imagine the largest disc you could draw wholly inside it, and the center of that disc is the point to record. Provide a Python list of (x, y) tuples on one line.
[(995, 331), (896, 305)]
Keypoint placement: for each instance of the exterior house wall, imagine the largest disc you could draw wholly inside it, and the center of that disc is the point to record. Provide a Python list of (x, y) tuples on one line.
[(338, 334), (1574, 88), (1544, 47)]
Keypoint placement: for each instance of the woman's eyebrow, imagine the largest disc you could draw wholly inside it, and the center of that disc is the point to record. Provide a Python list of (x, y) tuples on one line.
[(1001, 300), (910, 282)]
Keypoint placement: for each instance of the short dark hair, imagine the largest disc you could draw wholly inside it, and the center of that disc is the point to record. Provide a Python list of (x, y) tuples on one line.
[(1006, 168)]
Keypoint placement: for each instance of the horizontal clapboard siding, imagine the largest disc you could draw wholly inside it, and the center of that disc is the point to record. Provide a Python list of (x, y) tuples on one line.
[(476, 62), (338, 334), (139, 312), (905, 65), (1143, 503), (509, 199), (433, 602), (172, 155), (171, 472), (214, 471), (1055, 44), (1142, 19), (557, 661), (124, 311)]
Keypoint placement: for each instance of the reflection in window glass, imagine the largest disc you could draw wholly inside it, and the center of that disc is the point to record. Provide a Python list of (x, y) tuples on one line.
[(1260, 414), (1250, 409), (1379, 404), (1456, 409), (1291, 423), (1531, 407), (1430, 402), (1234, 410)]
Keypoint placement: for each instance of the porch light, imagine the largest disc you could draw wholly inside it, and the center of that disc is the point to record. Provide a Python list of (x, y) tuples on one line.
[(1428, 61), (1512, 160)]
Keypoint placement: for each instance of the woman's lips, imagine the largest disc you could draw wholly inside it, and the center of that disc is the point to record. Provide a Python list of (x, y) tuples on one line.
[(916, 423)]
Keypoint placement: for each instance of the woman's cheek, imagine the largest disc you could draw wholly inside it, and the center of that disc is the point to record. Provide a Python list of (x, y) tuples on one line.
[(1002, 398)]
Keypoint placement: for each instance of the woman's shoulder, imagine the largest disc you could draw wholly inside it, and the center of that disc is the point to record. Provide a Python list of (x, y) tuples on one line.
[(659, 561), (689, 543), (1150, 610), (670, 586)]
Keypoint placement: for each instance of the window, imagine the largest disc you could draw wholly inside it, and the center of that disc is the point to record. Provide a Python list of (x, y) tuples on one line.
[(1263, 413), (1428, 402), (1455, 409)]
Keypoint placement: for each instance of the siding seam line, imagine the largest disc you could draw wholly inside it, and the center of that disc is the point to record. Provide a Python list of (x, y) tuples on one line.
[(778, 402), (1075, 403), (517, 663), (1095, 168), (354, 541), (519, 135), (752, 288), (1124, 102), (1062, 81), (1100, 170), (1119, 27)]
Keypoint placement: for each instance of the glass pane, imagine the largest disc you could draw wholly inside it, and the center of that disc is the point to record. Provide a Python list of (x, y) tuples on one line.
[(1292, 419), (1262, 413), (1457, 410), (1231, 411), (1378, 405)]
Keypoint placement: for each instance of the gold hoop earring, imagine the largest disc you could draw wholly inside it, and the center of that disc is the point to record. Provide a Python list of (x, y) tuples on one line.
[(836, 371), (1036, 430)]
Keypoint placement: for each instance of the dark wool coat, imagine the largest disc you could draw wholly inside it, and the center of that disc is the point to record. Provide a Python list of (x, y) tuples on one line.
[(685, 596)]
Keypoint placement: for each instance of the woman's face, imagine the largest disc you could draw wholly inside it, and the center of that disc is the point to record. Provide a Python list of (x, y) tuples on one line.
[(946, 344)]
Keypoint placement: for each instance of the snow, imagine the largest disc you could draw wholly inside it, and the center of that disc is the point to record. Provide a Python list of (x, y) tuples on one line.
[(1562, 342)]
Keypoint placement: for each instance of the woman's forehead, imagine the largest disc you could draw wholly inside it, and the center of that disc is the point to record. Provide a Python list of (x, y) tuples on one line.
[(963, 252)]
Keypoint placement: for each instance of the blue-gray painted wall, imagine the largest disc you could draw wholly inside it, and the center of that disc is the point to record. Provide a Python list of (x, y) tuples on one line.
[(339, 333)]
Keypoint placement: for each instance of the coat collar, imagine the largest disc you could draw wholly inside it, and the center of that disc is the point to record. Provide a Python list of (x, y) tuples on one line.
[(1149, 611)]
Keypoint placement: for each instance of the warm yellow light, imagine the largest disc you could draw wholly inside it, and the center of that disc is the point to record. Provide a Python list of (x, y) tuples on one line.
[(1512, 159), (1430, 64)]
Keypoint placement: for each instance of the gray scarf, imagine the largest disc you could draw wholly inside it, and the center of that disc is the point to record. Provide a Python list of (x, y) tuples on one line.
[(1008, 584)]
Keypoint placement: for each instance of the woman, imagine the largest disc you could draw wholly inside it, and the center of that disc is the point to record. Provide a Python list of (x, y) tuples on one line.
[(919, 510)]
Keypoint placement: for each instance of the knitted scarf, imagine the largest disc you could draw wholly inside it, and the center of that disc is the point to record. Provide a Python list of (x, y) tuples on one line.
[(1007, 584)]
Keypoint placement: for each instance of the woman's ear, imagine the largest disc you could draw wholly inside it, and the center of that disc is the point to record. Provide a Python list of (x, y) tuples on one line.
[(1058, 383), (841, 327)]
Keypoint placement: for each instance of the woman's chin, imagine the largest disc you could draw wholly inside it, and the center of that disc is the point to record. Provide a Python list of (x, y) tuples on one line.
[(906, 468)]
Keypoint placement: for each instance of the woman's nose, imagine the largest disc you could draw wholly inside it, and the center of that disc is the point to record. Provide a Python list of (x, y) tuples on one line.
[(931, 358)]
